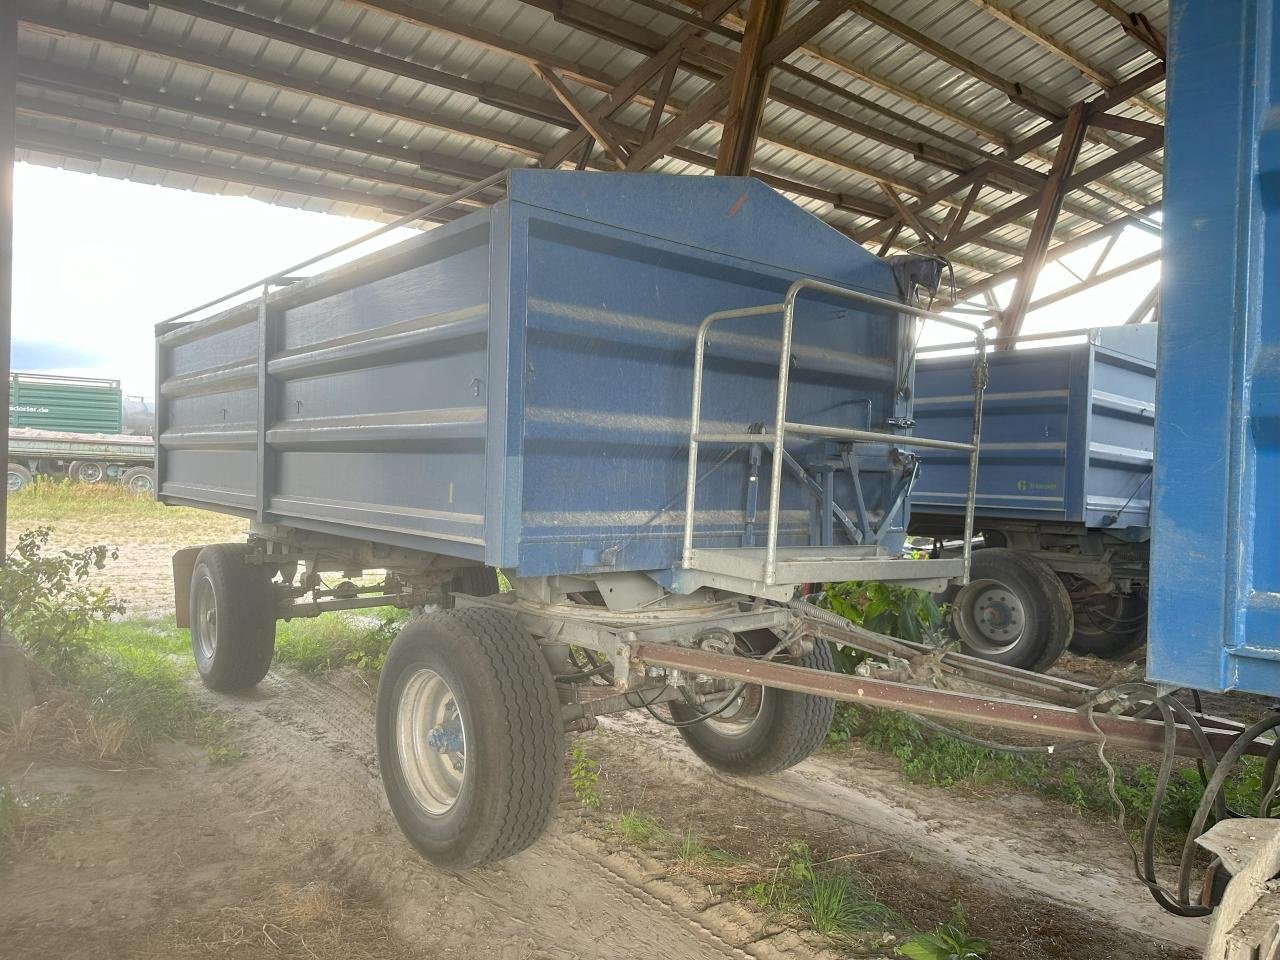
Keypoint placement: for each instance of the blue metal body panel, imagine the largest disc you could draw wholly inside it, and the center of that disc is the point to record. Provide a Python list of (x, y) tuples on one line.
[(515, 387), (1215, 590), (1067, 432)]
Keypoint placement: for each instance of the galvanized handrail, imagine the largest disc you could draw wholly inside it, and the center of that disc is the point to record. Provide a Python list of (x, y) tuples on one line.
[(781, 425)]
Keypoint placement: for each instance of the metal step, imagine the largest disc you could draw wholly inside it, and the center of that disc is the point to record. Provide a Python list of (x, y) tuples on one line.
[(821, 565)]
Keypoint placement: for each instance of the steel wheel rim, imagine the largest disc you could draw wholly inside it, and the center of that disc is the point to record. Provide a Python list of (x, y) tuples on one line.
[(996, 619), (431, 741), (89, 473), (141, 484), (738, 718), (206, 620), (13, 481)]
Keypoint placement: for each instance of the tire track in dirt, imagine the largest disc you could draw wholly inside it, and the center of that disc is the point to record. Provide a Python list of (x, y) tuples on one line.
[(310, 764)]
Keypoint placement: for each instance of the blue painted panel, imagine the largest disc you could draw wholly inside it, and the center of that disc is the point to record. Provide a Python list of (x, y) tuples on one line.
[(515, 387), (1067, 432), (1215, 589), (610, 312)]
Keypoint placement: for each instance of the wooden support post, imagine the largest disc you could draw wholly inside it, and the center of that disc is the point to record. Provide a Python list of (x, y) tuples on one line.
[(1055, 190), (749, 89)]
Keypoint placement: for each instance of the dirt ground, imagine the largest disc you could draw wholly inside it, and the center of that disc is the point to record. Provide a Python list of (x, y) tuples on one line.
[(291, 850)]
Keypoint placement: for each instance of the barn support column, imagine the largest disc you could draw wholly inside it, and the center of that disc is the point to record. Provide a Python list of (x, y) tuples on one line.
[(15, 683), (8, 148)]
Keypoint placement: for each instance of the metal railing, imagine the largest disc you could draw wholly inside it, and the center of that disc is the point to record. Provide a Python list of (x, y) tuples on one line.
[(782, 426)]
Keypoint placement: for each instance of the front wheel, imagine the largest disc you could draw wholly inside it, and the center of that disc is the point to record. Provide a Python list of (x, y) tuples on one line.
[(1014, 610), (470, 737), (765, 730)]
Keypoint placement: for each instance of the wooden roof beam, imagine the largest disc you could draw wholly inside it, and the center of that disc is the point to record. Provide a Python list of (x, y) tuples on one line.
[(1051, 198), (750, 86)]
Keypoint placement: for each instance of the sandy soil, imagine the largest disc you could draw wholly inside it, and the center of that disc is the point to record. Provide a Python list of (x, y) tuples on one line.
[(184, 840), (154, 857)]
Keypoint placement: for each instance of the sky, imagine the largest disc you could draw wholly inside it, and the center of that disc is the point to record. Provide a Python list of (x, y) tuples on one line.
[(98, 262)]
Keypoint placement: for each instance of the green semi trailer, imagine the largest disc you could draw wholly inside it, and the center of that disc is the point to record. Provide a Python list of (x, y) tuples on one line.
[(76, 428)]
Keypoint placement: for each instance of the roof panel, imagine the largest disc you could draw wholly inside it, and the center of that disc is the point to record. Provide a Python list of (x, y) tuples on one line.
[(326, 115)]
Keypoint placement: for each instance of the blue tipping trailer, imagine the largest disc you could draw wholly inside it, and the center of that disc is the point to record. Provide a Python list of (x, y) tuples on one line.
[(1064, 481), (473, 701), (514, 388), (659, 404)]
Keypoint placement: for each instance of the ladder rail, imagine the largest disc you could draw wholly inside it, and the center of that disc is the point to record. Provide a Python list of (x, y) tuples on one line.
[(781, 425)]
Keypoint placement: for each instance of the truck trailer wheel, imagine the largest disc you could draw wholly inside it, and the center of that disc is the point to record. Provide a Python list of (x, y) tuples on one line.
[(18, 478), (233, 618), (766, 730), (140, 480), (86, 471), (1014, 610), (470, 737), (1110, 625)]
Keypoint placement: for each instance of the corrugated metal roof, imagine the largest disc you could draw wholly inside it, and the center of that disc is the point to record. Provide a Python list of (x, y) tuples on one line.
[(373, 107)]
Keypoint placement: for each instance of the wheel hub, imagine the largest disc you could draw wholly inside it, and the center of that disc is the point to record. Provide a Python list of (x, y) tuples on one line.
[(206, 619), (990, 616), (431, 741)]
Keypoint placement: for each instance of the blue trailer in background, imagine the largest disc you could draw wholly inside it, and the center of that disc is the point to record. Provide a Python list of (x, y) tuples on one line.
[(1063, 497)]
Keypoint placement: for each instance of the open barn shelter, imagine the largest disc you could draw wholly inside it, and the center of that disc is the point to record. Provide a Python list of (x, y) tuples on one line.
[(997, 134)]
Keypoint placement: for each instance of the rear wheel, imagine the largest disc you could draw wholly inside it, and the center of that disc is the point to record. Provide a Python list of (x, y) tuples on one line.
[(86, 471), (140, 480), (470, 737), (1014, 610), (18, 478), (472, 581), (1110, 625), (764, 730), (232, 617)]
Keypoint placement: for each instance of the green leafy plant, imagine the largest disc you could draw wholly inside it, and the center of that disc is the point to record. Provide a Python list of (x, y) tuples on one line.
[(948, 941), (584, 774), (886, 608), (47, 602)]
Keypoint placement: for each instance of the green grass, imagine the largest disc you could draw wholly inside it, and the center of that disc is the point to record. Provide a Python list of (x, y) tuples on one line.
[(320, 644), (47, 499), (641, 831), (139, 671), (828, 896), (1074, 779)]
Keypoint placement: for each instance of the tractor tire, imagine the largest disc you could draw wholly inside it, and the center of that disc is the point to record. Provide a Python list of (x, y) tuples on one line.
[(17, 478), (232, 617), (1015, 610), (781, 728), (470, 736)]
